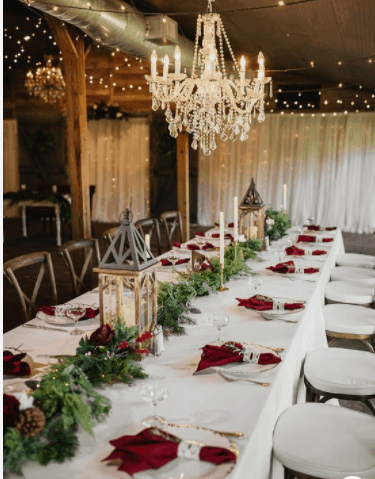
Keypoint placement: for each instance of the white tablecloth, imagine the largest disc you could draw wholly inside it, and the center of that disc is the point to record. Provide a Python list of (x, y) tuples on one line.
[(207, 400)]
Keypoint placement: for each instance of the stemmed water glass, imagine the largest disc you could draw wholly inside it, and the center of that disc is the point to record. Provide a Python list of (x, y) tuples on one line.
[(153, 392), (279, 254), (173, 257), (218, 321), (255, 281), (75, 312)]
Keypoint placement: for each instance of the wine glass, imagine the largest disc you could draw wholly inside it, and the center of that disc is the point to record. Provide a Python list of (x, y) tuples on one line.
[(279, 254), (153, 392), (173, 257), (255, 281), (218, 321), (76, 312)]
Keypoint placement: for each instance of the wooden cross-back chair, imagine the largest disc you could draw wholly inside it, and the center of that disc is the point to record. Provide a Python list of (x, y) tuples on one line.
[(44, 259), (152, 224), (91, 247), (109, 234), (172, 222)]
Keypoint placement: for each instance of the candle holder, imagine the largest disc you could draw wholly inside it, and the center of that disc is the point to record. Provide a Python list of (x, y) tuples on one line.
[(222, 287)]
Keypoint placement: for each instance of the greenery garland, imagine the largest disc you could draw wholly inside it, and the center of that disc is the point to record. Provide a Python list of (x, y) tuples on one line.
[(281, 224), (174, 298), (25, 195), (66, 398)]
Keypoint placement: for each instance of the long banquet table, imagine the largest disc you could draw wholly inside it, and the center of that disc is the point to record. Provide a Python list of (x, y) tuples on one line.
[(206, 400)]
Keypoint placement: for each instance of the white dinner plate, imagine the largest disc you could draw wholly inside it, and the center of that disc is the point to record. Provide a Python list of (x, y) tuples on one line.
[(59, 320), (179, 467), (287, 315)]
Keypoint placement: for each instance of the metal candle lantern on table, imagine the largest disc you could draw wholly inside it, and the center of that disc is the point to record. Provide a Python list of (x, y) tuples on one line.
[(127, 279), (252, 214)]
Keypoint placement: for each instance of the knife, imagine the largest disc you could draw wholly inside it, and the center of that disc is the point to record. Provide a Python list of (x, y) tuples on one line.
[(44, 327)]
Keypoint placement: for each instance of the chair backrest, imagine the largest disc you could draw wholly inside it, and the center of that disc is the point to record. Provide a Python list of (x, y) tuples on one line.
[(172, 222), (90, 246), (44, 259), (151, 224), (109, 234)]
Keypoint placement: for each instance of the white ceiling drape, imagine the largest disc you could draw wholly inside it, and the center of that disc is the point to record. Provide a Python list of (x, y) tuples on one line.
[(327, 162), (118, 155), (11, 171)]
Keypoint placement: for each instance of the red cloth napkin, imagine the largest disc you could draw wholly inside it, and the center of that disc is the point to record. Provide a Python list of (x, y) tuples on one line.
[(259, 304), (193, 247), (13, 365), (165, 262), (313, 228), (294, 251), (208, 246), (327, 240), (177, 245), (200, 234), (226, 236), (306, 239), (153, 448), (288, 267), (50, 310), (220, 355), (331, 228)]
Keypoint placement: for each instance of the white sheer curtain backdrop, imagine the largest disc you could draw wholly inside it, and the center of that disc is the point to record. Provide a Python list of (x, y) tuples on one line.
[(327, 162), (11, 171), (119, 167)]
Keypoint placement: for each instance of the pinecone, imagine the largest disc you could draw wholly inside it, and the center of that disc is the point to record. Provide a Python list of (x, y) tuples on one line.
[(30, 422)]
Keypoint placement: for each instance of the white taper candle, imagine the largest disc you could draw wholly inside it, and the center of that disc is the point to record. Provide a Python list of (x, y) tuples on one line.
[(235, 218), (284, 196), (221, 237)]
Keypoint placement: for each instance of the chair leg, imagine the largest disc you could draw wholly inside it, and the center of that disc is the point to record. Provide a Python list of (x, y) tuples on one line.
[(369, 346), (370, 406), (287, 474)]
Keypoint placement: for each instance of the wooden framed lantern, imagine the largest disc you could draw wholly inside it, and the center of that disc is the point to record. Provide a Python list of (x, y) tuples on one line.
[(127, 280), (252, 214)]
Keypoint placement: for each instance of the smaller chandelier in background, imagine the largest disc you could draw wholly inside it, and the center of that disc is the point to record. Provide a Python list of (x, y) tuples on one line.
[(47, 83)]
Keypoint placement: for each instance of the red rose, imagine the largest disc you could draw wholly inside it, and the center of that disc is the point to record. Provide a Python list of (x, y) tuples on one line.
[(102, 336), (13, 366), (10, 410), (123, 345), (144, 351)]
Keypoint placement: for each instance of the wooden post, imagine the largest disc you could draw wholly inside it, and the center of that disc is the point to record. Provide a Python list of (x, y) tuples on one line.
[(183, 199), (73, 52)]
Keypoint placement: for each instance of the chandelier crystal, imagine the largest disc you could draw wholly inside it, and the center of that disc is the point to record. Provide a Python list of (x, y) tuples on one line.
[(209, 103), (47, 83)]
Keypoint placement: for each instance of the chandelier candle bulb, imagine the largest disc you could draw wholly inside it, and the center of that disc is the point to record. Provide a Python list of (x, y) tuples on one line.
[(261, 66), (154, 59), (221, 237), (177, 58), (166, 66), (243, 67)]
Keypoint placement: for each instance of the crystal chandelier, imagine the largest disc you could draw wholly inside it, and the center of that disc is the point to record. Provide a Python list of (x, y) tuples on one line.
[(47, 83), (209, 104)]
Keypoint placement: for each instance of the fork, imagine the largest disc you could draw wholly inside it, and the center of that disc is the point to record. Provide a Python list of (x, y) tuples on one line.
[(232, 379)]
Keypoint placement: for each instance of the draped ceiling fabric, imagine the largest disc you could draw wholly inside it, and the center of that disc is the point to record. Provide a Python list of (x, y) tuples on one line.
[(11, 171), (119, 155), (327, 162)]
